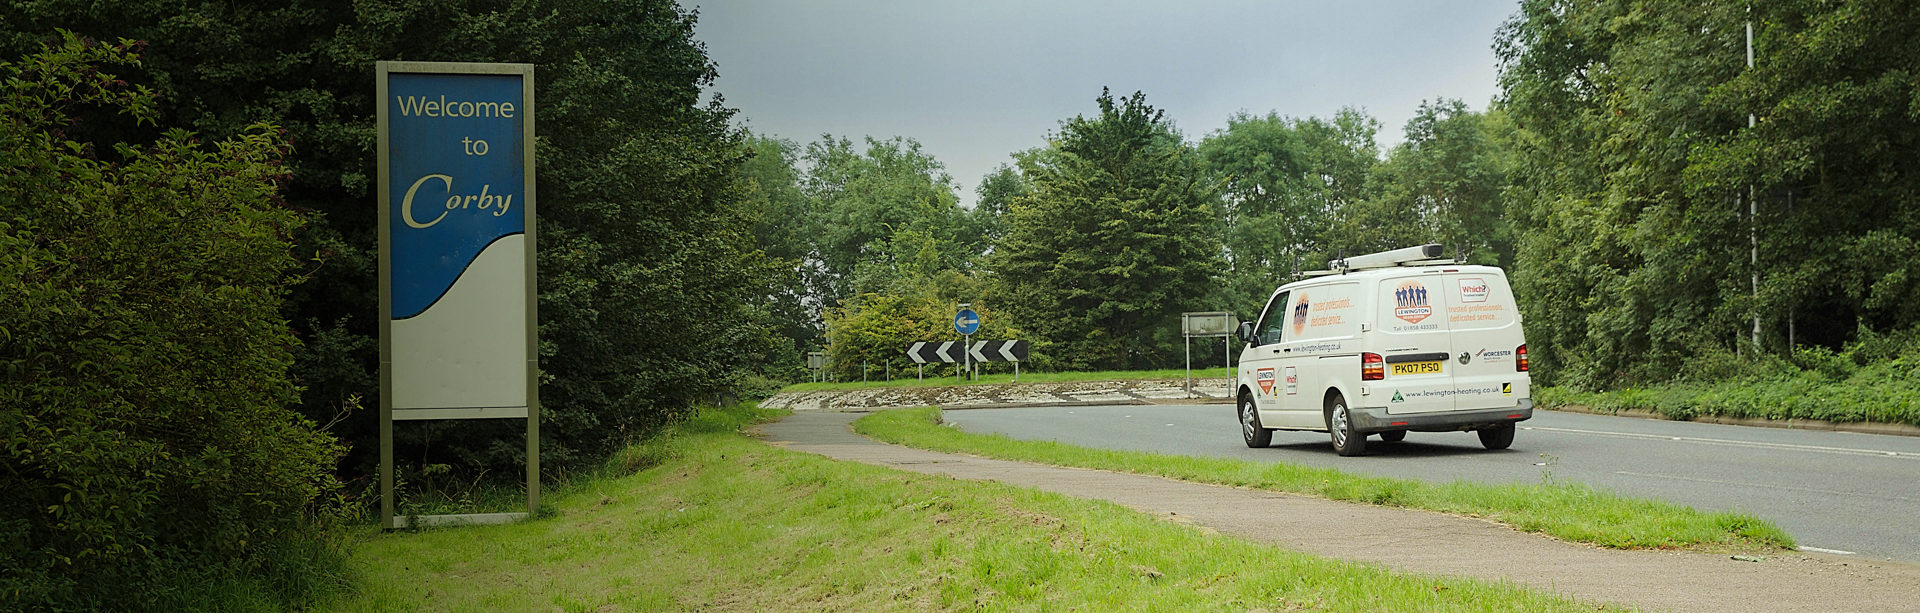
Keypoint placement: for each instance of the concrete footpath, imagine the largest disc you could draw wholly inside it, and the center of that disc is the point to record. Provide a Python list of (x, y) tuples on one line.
[(1417, 541)]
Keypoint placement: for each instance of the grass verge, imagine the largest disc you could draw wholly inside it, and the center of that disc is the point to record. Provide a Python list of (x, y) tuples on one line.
[(1877, 394), (713, 520), (1025, 377), (1568, 511)]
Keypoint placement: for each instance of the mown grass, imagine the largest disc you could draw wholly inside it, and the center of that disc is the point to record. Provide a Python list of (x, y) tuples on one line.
[(907, 379), (710, 519), (1568, 511)]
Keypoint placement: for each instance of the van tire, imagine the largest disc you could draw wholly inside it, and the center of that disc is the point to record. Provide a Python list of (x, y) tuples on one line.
[(1498, 437), (1346, 442), (1256, 435), (1393, 436)]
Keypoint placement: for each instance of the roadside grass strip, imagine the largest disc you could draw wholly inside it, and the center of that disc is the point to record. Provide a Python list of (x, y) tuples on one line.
[(710, 519), (906, 378), (1567, 511)]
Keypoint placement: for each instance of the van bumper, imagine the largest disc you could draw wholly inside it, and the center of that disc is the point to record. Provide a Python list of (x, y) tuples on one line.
[(1376, 419)]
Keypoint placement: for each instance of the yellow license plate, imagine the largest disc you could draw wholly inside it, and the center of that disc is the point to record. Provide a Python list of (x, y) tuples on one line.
[(1417, 368)]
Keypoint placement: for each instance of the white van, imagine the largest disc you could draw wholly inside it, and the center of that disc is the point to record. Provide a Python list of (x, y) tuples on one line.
[(1384, 344)]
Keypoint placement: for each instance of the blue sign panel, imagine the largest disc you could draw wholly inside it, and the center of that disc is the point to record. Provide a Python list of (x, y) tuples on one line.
[(966, 322), (457, 184)]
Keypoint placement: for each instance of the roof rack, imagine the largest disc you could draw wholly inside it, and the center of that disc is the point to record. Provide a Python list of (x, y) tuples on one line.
[(1422, 255)]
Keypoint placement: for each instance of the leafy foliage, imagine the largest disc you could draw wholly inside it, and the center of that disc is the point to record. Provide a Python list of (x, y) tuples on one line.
[(653, 293), (1116, 237), (1288, 184), (1635, 166), (144, 393)]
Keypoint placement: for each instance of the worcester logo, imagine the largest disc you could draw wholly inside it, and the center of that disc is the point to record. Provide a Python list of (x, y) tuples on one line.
[(1410, 302)]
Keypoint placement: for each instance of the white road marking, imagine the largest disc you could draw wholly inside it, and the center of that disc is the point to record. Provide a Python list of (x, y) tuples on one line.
[(1831, 551), (1733, 443), (1768, 486)]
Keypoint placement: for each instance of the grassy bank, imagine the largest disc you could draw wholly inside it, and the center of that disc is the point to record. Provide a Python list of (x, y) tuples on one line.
[(1569, 511), (1886, 393), (905, 378), (709, 519)]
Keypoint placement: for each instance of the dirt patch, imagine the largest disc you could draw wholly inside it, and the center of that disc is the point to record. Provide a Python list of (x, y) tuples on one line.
[(1420, 541)]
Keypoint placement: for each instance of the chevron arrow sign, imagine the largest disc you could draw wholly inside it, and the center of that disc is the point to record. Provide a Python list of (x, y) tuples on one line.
[(932, 353), (998, 351)]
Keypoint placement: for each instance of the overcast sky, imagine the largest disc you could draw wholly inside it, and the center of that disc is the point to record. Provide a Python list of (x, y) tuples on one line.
[(974, 81)]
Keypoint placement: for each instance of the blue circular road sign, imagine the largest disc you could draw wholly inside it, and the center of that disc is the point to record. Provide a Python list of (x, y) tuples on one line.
[(966, 322)]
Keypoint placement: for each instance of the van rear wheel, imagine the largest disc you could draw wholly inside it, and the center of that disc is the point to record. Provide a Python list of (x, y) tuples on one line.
[(1346, 442), (1256, 435), (1498, 437)]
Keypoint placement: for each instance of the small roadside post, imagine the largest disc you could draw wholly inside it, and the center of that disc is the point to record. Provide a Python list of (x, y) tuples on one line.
[(1204, 324), (966, 322)]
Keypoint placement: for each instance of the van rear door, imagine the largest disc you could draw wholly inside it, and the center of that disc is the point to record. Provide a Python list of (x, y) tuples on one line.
[(1485, 327), (1415, 343)]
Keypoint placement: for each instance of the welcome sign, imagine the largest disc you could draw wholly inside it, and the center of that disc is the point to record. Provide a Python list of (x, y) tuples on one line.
[(457, 310)]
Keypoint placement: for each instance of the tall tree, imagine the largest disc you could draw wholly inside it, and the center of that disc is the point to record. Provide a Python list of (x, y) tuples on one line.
[(1118, 234), (642, 238), (1287, 182), (883, 214), (1443, 184), (143, 373)]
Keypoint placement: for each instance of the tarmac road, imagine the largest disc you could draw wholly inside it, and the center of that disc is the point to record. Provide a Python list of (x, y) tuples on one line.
[(1835, 492)]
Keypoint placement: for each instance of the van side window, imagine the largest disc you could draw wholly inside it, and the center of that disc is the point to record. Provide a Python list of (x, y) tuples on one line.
[(1273, 320)]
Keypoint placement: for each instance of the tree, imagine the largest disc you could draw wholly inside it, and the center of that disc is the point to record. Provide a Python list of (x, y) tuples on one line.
[(1117, 236), (1444, 184), (996, 192), (883, 214), (1287, 184), (1635, 171), (783, 226), (647, 273), (143, 375)]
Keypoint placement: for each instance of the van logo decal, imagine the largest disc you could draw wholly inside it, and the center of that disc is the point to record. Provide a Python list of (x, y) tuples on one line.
[(1293, 381), (1473, 290), (1265, 377), (1506, 389), (1300, 315), (1397, 397), (1410, 302), (1465, 357)]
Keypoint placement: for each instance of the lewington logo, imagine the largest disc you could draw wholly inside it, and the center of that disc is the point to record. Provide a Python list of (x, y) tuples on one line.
[(1410, 302)]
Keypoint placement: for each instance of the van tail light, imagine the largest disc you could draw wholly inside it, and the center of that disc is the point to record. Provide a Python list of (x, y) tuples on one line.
[(1372, 367), (1520, 364)]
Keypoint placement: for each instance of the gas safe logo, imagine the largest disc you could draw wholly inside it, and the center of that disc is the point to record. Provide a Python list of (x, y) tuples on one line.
[(1410, 302)]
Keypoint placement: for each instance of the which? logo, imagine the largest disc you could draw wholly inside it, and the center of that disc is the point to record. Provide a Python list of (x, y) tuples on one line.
[(1473, 290)]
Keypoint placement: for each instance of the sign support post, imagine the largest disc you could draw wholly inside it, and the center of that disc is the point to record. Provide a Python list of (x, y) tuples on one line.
[(966, 322), (1211, 323)]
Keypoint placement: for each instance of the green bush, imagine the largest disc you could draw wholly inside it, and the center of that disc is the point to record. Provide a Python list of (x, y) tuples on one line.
[(148, 444)]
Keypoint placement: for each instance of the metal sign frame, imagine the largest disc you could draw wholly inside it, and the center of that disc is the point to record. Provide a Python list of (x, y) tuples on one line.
[(383, 73), (1189, 328)]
